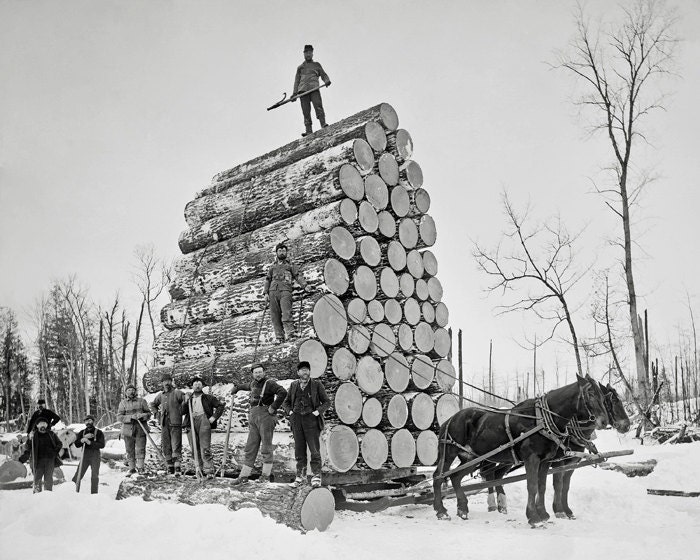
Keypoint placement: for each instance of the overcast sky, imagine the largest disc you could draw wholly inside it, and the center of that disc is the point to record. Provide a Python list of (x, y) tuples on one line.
[(114, 113)]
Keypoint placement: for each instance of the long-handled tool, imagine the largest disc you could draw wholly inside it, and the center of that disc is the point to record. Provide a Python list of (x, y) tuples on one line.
[(193, 442), (153, 443), (79, 474), (284, 99)]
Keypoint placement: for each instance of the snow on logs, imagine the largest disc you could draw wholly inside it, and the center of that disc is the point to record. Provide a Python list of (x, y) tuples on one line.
[(350, 203)]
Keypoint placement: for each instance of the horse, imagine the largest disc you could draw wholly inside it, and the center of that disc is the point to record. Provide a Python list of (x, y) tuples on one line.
[(582, 440), (474, 432)]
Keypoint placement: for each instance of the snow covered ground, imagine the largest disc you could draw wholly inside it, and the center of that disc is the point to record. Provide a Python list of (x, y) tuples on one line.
[(616, 520)]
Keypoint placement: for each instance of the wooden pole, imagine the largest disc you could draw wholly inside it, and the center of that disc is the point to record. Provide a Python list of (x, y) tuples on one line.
[(461, 374), (534, 369), (490, 366)]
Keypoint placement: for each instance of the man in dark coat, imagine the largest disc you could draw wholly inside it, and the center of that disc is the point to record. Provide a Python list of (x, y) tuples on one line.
[(305, 403), (206, 410), (169, 403), (44, 446), (279, 285), (91, 440), (266, 397), (306, 79), (42, 412)]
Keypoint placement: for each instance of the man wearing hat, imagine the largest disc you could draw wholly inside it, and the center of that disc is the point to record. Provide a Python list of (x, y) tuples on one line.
[(279, 285), (91, 440), (168, 404), (44, 446), (42, 412), (133, 413), (266, 397), (305, 403), (306, 79), (206, 410)]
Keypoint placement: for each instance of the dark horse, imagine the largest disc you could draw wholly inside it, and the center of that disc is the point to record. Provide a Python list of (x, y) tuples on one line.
[(474, 432)]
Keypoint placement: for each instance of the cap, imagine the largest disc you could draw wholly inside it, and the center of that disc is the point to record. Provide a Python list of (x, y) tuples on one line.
[(280, 245), (130, 385), (166, 377), (41, 401), (256, 365), (89, 417), (308, 47), (196, 378), (42, 421), (302, 365)]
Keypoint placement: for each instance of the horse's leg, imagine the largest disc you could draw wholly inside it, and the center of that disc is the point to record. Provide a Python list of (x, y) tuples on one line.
[(542, 489), (491, 500), (462, 502), (565, 495), (444, 463), (501, 493), (557, 503), (532, 467)]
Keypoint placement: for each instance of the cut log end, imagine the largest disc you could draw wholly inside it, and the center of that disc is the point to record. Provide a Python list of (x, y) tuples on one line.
[(375, 449), (314, 352), (330, 320), (387, 224), (343, 364), (369, 375), (376, 191), (351, 182), (364, 156), (369, 220), (376, 137), (336, 277), (388, 169)]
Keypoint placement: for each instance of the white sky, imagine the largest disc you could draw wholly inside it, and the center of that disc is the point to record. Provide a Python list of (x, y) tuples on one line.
[(114, 113)]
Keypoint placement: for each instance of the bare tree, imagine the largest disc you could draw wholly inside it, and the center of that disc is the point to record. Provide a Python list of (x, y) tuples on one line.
[(620, 67), (534, 268)]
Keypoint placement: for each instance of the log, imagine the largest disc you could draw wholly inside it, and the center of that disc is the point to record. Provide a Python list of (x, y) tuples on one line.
[(364, 156), (413, 174), (388, 282), (350, 128), (428, 312), (430, 264), (369, 375), (397, 372), (335, 277), (376, 192), (405, 337), (400, 144), (369, 221), (383, 340), (375, 311), (422, 291), (442, 315), (421, 410), (388, 169), (434, 289), (414, 262), (347, 403), (400, 201), (369, 250), (314, 352), (375, 136), (339, 448), (303, 508), (445, 375), (348, 211), (330, 320), (374, 448), (407, 284), (677, 493), (396, 410), (402, 449), (352, 182), (393, 311), (358, 339), (343, 364), (443, 343), (365, 283), (420, 202), (408, 233), (396, 255), (427, 230), (372, 412), (446, 405), (411, 311), (387, 224), (356, 310), (342, 242), (422, 371), (427, 448)]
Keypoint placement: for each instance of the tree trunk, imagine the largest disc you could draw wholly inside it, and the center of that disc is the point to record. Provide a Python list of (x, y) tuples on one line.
[(372, 412), (386, 224), (402, 449), (343, 364), (427, 448), (374, 448), (376, 191), (400, 144), (446, 405), (367, 216), (369, 375), (339, 448), (422, 371), (421, 410), (397, 372), (388, 169)]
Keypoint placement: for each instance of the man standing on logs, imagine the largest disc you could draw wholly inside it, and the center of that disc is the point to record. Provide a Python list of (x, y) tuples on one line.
[(133, 413), (206, 410), (306, 79), (91, 440), (266, 397), (305, 403), (278, 293), (42, 412), (169, 401)]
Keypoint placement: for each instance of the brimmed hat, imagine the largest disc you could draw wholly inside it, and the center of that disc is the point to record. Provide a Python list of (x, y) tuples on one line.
[(130, 385), (281, 245), (89, 417), (308, 47), (41, 401), (256, 365), (41, 421), (301, 365), (196, 378)]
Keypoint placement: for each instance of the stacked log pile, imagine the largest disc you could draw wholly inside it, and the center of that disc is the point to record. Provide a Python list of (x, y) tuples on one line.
[(349, 201)]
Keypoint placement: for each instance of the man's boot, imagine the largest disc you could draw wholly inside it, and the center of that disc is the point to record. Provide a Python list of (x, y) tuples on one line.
[(289, 330), (244, 475), (308, 130), (266, 475), (177, 470)]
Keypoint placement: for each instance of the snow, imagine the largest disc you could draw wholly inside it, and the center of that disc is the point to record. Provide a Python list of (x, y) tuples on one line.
[(615, 519)]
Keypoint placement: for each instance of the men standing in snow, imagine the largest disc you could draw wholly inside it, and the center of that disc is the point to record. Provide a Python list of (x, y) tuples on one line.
[(133, 413), (44, 446), (91, 440), (278, 289), (206, 410), (168, 403), (306, 79), (305, 403), (42, 412), (266, 397)]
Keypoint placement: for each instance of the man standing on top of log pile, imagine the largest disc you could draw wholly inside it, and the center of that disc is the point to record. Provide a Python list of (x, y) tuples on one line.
[(42, 412), (266, 397), (170, 402), (91, 440), (131, 411), (306, 79), (278, 293), (206, 410), (305, 403)]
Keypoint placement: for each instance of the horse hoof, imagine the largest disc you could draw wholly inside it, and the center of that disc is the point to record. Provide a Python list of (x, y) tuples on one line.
[(570, 516), (492, 508), (463, 514), (560, 515), (443, 516), (538, 525), (503, 510)]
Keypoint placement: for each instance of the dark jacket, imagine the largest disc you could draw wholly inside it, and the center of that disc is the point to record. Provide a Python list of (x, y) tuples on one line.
[(319, 398), (96, 444), (274, 392), (211, 405), (280, 277), (170, 405), (44, 445), (49, 415), (307, 76)]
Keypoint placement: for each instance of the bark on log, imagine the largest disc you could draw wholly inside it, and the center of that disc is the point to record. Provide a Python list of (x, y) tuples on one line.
[(365, 283), (422, 371), (434, 289), (387, 224), (402, 450), (339, 448), (369, 250), (427, 448), (411, 311), (375, 311), (314, 352), (404, 335), (393, 311), (358, 339), (356, 310), (400, 144), (369, 221), (443, 343), (383, 340), (397, 372), (407, 284), (388, 282), (445, 375), (428, 312), (388, 169), (376, 192), (414, 262), (430, 264), (423, 337), (330, 320), (446, 405), (369, 375), (343, 364), (374, 448), (442, 315), (302, 508), (372, 412), (400, 201), (422, 291), (421, 410), (396, 255), (420, 202)]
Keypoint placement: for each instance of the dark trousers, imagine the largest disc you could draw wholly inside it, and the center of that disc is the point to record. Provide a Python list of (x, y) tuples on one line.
[(306, 101), (92, 460), (281, 311), (203, 441), (43, 469), (307, 433), (171, 442), (261, 429)]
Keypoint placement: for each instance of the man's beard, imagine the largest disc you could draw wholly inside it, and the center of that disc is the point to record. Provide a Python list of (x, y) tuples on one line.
[(282, 257)]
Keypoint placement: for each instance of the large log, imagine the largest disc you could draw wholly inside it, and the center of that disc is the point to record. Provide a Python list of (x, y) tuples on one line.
[(427, 448), (420, 202), (339, 448), (422, 410), (412, 173), (396, 255), (357, 310), (434, 289), (314, 352), (443, 342), (414, 262), (364, 156), (428, 312), (442, 315), (408, 233), (388, 282), (430, 264), (383, 340), (446, 405), (372, 412), (386, 224), (422, 291), (395, 410), (343, 364), (400, 201), (374, 448), (388, 169), (445, 375), (423, 337), (427, 230), (404, 334), (342, 242), (422, 371), (367, 215), (375, 311), (411, 311), (369, 375), (359, 338), (330, 320), (397, 372), (369, 250), (400, 144), (407, 284), (393, 312), (376, 192), (302, 508), (347, 403), (365, 283), (402, 450)]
